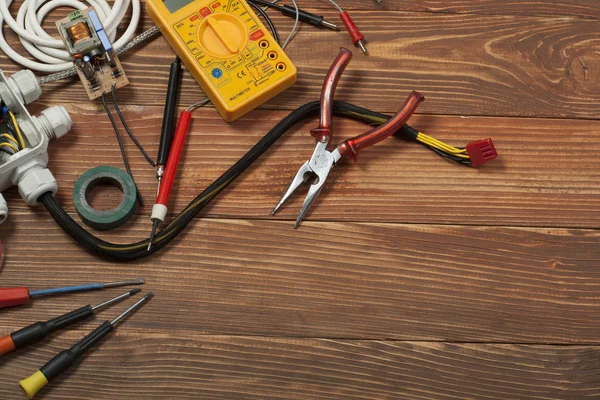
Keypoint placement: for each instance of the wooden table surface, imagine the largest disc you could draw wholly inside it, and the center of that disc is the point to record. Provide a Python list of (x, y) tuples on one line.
[(412, 278)]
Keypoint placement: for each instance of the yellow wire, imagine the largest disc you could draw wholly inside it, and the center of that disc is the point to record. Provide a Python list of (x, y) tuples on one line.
[(19, 134), (9, 145), (439, 144), (10, 138)]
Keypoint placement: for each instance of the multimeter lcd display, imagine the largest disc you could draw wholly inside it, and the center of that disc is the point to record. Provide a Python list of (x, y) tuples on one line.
[(176, 5)]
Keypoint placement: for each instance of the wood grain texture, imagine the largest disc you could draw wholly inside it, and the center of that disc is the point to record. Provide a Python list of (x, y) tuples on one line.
[(495, 65), (372, 281), (547, 173), (580, 8), (184, 366), (412, 278)]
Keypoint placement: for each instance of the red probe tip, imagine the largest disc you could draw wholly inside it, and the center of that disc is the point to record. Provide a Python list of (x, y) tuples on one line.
[(357, 37)]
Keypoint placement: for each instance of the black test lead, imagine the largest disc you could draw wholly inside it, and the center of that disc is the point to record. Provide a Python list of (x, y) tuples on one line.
[(166, 133), (63, 360), (39, 330)]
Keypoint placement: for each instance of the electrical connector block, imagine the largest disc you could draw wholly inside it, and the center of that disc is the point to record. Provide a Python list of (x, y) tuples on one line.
[(27, 168), (481, 151)]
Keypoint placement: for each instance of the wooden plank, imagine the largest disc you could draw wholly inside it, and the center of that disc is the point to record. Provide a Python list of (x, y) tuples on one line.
[(580, 8), (496, 65), (331, 280), (183, 365), (547, 173)]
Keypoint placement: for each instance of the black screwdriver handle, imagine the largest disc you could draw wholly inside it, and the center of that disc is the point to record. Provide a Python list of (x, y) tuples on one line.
[(63, 360), (166, 134), (40, 330)]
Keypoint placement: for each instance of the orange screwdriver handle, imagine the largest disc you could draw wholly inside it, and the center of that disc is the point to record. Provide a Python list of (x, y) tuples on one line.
[(352, 146), (173, 160), (13, 296)]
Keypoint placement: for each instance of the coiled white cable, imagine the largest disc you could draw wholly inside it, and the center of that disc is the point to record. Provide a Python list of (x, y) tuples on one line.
[(48, 53)]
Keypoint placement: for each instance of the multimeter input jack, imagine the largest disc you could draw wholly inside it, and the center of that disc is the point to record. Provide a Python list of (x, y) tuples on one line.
[(263, 44), (281, 66), (272, 55)]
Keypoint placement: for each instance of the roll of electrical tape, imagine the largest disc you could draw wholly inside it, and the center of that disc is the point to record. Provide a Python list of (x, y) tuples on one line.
[(104, 220)]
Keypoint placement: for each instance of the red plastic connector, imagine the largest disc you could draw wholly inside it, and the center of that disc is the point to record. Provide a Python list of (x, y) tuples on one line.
[(481, 151), (357, 37)]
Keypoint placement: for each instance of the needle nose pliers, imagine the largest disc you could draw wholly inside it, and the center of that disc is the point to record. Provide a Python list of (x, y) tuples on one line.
[(316, 169)]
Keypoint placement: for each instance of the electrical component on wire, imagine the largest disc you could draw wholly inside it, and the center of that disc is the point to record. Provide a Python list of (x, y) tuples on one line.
[(39, 330), (23, 149), (49, 54), (92, 52), (66, 358)]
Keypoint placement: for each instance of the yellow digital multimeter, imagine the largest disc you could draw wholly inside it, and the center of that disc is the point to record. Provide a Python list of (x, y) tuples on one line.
[(227, 49)]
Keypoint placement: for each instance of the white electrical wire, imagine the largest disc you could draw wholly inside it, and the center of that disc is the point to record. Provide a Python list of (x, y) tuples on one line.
[(336, 5), (48, 54), (294, 29)]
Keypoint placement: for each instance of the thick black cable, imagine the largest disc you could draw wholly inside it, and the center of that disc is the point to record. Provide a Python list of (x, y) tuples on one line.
[(267, 20), (122, 148), (122, 118), (138, 250)]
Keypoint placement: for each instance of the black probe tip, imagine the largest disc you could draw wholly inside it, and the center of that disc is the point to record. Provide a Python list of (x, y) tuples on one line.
[(134, 291)]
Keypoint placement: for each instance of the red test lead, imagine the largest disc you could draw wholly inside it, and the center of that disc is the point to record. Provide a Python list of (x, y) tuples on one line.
[(160, 208), (357, 37)]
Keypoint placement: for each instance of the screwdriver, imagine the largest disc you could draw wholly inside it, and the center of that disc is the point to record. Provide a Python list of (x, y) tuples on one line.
[(159, 210), (63, 360), (39, 330), (20, 295), (166, 134)]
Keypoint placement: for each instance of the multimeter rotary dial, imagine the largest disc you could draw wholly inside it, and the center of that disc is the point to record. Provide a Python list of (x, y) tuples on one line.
[(222, 35)]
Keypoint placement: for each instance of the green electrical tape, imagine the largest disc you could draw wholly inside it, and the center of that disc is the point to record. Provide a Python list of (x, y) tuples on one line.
[(99, 219)]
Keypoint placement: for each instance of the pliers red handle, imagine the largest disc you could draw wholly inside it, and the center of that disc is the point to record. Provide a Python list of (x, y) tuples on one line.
[(317, 168)]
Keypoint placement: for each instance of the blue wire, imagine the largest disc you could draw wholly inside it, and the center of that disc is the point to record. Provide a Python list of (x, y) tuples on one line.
[(66, 289)]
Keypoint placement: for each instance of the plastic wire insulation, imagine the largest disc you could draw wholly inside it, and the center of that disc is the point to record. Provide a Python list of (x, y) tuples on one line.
[(131, 135), (138, 249), (295, 28), (122, 149)]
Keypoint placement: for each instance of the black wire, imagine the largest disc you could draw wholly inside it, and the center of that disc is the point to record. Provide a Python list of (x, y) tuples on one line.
[(122, 148), (268, 20), (265, 3), (138, 144), (138, 250)]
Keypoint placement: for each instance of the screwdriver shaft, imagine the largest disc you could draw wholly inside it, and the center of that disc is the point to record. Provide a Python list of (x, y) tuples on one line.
[(132, 308), (116, 299)]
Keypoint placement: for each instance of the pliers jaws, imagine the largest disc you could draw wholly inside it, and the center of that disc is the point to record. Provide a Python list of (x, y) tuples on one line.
[(315, 171)]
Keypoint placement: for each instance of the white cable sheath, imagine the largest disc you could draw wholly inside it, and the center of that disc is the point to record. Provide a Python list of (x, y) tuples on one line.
[(48, 54)]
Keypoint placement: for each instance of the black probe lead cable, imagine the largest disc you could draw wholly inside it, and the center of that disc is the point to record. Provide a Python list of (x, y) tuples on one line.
[(139, 250), (122, 149), (113, 93), (267, 20)]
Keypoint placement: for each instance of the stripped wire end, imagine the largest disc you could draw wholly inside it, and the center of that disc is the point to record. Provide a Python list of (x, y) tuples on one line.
[(357, 37), (481, 151)]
